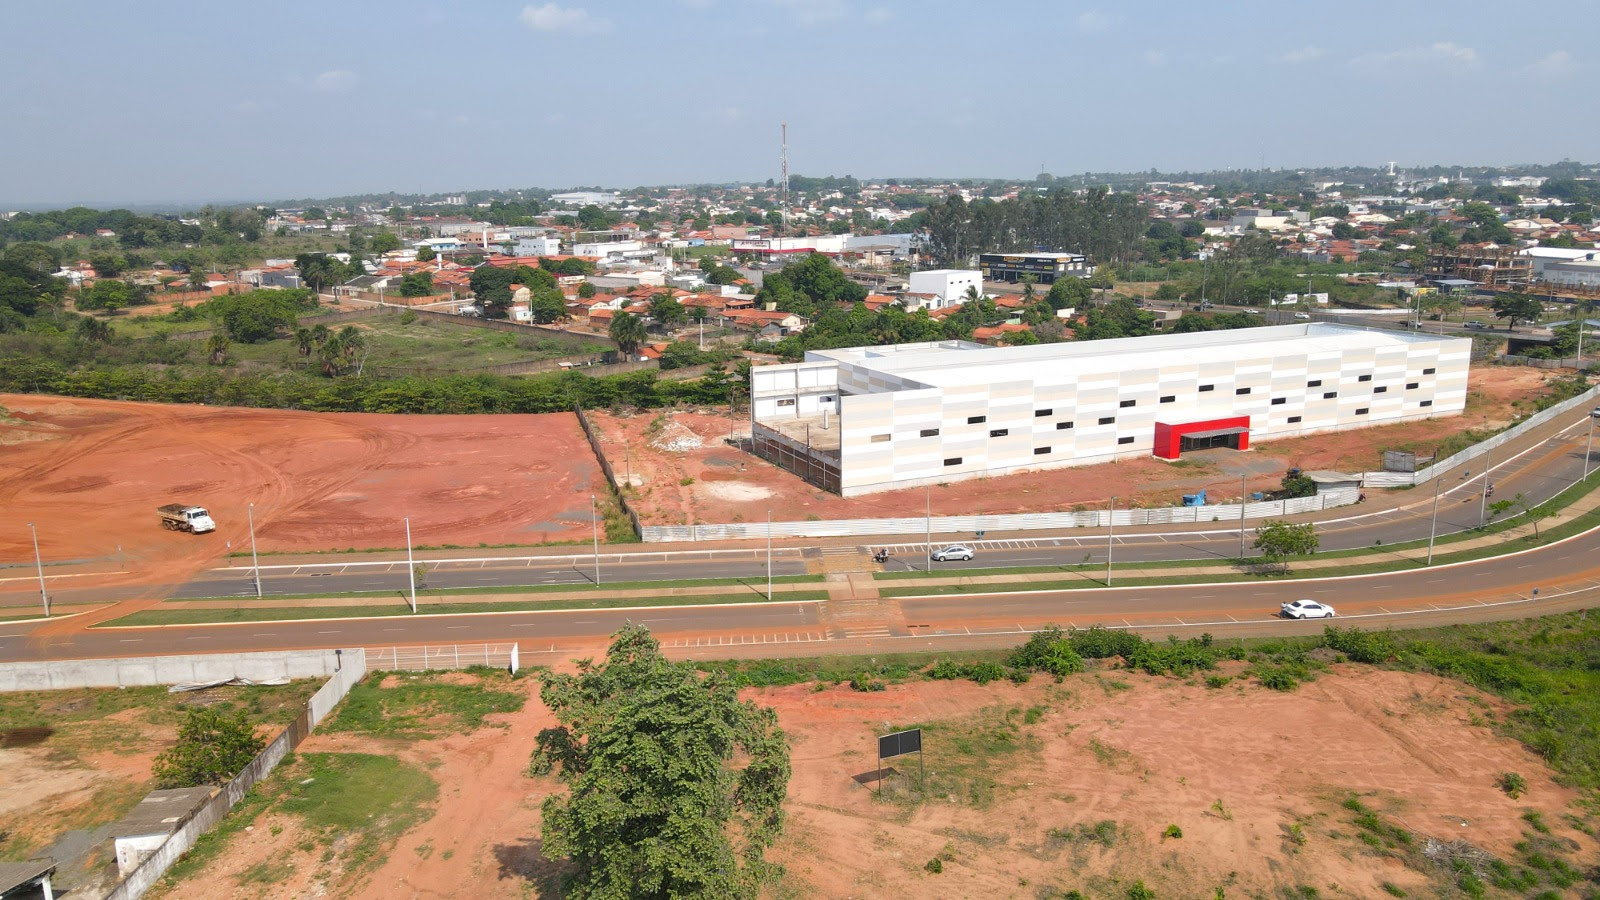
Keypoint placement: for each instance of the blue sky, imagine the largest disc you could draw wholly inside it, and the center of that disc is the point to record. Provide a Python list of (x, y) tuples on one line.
[(124, 102)]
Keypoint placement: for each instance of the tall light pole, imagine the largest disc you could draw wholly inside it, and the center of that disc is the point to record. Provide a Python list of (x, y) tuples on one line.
[(411, 567), (769, 556), (255, 561), (594, 524), (1589, 443), (927, 519), (1111, 526), (1483, 495), (1244, 497), (38, 563), (1433, 528)]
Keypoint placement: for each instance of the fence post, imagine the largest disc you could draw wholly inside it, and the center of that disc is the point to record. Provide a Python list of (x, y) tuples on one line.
[(458, 656)]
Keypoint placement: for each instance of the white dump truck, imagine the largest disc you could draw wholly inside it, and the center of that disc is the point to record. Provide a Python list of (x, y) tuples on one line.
[(193, 519)]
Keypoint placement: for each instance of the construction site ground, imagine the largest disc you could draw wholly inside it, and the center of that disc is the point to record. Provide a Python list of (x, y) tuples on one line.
[(682, 469)]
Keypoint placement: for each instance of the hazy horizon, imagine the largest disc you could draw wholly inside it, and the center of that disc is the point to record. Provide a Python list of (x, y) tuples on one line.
[(165, 104)]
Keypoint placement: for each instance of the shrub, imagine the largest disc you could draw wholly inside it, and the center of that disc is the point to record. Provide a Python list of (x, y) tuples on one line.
[(1139, 892), (1049, 651), (1392, 889), (212, 747), (1371, 647), (985, 672), (947, 670), (1172, 831), (1512, 783), (865, 683), (934, 866), (1278, 678), (1217, 681), (1099, 642)]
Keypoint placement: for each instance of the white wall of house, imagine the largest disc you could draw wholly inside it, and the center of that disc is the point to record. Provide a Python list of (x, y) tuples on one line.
[(950, 284)]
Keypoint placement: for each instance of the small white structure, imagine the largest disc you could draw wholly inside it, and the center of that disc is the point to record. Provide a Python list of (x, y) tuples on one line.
[(537, 246), (950, 284), (142, 831)]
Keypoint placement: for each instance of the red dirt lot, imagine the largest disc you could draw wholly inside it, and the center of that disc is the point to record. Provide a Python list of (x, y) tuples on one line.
[(728, 485), (91, 473), (1014, 771)]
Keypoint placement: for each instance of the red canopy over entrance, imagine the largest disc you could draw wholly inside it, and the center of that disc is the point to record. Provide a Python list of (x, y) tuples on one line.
[(1169, 437)]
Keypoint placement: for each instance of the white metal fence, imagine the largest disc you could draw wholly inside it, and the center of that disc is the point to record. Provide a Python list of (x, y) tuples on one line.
[(1422, 476), (440, 656), (1092, 518)]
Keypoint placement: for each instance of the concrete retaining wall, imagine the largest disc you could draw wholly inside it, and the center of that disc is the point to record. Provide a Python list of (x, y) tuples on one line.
[(351, 669), (149, 670)]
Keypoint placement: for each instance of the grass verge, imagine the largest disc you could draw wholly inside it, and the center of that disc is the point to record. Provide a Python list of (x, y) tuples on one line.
[(422, 706), (751, 583), (283, 613)]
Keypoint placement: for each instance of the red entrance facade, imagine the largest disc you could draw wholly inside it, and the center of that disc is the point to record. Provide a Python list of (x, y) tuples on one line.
[(1169, 437)]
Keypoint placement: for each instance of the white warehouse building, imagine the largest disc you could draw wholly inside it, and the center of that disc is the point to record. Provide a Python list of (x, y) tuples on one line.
[(950, 284), (865, 419)]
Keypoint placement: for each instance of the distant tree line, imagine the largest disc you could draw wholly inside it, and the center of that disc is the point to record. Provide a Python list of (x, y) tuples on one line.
[(1104, 226)]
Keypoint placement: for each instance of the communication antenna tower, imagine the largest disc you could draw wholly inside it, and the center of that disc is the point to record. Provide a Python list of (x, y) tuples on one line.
[(783, 159)]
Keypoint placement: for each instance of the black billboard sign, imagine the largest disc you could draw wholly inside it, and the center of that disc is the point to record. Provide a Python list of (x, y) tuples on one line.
[(900, 743)]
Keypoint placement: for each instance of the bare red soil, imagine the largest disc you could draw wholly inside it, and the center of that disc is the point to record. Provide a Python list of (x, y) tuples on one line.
[(90, 474), (718, 483)]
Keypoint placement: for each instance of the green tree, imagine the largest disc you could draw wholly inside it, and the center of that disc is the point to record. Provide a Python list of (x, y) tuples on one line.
[(546, 305), (722, 275), (1297, 484), (416, 284), (491, 285), (666, 310), (217, 349), (586, 290), (94, 330), (426, 253), (1516, 308), (107, 294), (319, 270), (628, 331), (213, 746), (383, 242), (657, 805), (257, 316), (1280, 540), (108, 265)]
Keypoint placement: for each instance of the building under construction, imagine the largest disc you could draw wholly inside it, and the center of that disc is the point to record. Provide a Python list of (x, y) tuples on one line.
[(1487, 264)]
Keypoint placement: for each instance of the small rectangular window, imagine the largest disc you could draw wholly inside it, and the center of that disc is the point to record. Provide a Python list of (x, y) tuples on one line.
[(999, 432), (1041, 413), (1428, 371), (1315, 382), (1107, 420), (1365, 378), (1241, 391), (1040, 451), (1330, 395), (1426, 403), (785, 402), (1293, 419), (1279, 401), (1125, 440), (1063, 426), (880, 438), (1380, 389), (1413, 385), (930, 432), (1207, 387), (953, 461), (1362, 411), (824, 399), (974, 420), (1170, 398), (1127, 403)]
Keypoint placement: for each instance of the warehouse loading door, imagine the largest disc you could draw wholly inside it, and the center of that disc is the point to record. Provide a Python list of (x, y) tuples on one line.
[(1205, 440)]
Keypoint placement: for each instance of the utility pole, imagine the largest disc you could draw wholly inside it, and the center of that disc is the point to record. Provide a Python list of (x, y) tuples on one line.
[(38, 563), (769, 556), (1433, 528), (1244, 497), (255, 562), (411, 566), (594, 524), (927, 518), (1588, 445), (1111, 526), (1483, 495)]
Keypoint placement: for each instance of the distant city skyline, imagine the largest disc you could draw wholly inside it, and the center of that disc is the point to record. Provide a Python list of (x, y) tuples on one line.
[(167, 102)]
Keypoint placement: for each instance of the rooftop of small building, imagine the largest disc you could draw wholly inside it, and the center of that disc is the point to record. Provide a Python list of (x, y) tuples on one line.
[(162, 812)]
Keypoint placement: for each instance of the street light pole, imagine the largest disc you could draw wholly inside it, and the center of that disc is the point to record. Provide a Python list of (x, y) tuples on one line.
[(411, 566), (1433, 528), (255, 561), (594, 523), (1111, 526), (1244, 496), (927, 518), (1483, 495), (1588, 445), (769, 556), (38, 563)]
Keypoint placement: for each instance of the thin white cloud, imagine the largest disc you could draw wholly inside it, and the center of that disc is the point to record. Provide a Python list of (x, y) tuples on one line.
[(554, 17), (1553, 65), (814, 12), (1445, 52), (696, 4), (335, 81), (878, 16), (1303, 55), (1155, 58), (1093, 22)]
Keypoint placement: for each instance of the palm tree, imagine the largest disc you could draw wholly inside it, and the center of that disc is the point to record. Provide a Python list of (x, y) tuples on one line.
[(92, 329), (217, 346), (302, 337), (1584, 307), (628, 331), (320, 334), (333, 357)]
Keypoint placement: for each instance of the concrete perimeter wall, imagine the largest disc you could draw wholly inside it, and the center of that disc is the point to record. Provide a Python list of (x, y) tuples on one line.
[(352, 668), (149, 670)]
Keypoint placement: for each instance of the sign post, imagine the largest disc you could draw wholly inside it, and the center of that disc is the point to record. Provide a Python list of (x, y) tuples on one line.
[(899, 744)]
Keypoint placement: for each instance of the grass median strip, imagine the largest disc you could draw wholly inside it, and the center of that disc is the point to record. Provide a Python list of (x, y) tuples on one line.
[(281, 613)]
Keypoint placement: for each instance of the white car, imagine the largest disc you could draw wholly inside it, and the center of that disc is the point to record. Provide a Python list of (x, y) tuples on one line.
[(952, 552), (1301, 315), (1306, 609)]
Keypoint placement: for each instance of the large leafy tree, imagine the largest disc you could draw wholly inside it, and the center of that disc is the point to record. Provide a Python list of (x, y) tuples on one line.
[(213, 746), (657, 806), (628, 331), (1516, 308)]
